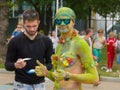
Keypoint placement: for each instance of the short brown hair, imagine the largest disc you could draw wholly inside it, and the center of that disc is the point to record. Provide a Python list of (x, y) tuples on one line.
[(88, 30), (30, 15)]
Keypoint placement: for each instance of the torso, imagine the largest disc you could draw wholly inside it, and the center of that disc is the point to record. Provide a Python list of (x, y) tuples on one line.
[(111, 42), (76, 69), (98, 42), (74, 66)]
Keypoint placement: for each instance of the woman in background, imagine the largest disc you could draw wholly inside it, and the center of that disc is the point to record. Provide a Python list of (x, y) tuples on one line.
[(110, 42), (98, 44)]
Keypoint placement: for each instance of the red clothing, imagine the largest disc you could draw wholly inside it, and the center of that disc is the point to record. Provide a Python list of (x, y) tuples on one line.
[(110, 52)]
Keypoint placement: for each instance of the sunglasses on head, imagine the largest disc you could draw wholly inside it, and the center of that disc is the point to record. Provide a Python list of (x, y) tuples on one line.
[(60, 21), (100, 32), (19, 27), (28, 15)]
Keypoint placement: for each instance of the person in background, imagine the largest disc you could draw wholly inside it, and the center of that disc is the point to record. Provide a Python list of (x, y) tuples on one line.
[(17, 31), (41, 32), (24, 50), (54, 39), (117, 47), (98, 44), (82, 33), (110, 42), (72, 62), (88, 39), (88, 35)]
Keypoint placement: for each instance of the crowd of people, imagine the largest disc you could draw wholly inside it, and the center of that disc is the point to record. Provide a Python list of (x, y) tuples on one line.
[(68, 60), (98, 41)]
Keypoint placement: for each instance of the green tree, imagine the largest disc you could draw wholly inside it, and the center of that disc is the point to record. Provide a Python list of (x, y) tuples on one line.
[(106, 8)]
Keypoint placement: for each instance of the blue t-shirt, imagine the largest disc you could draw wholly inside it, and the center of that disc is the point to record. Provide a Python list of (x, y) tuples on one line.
[(16, 33)]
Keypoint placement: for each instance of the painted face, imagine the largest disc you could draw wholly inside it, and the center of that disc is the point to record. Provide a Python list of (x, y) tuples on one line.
[(64, 24), (31, 27)]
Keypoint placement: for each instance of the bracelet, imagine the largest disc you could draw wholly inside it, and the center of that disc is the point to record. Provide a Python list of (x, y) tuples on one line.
[(67, 77)]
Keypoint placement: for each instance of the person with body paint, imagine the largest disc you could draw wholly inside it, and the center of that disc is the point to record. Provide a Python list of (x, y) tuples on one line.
[(72, 62)]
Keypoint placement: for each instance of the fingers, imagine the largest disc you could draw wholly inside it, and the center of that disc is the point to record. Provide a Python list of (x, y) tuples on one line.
[(60, 71), (40, 71), (57, 76), (38, 62), (20, 64)]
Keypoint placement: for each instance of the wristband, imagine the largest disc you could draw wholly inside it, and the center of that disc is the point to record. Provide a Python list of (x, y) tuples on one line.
[(67, 77)]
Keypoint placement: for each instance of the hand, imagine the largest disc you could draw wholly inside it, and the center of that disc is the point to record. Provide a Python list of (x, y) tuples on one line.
[(95, 58), (20, 63), (59, 75), (106, 43), (41, 69)]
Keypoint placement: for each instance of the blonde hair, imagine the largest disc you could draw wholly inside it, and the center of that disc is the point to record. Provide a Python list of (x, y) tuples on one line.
[(20, 23), (111, 33)]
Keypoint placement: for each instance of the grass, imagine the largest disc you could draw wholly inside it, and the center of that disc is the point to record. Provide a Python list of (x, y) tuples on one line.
[(103, 64), (2, 66)]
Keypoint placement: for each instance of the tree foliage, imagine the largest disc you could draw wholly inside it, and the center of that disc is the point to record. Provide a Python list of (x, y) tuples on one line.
[(106, 7), (81, 7), (102, 7)]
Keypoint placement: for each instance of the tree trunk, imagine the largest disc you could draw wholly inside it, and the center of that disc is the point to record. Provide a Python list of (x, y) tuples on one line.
[(3, 29)]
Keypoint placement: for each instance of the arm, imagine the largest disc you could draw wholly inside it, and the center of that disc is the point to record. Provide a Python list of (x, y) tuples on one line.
[(12, 61), (10, 56), (48, 53), (47, 69)]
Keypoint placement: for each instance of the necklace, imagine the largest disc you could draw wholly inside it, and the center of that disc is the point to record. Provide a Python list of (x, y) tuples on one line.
[(63, 40), (64, 59)]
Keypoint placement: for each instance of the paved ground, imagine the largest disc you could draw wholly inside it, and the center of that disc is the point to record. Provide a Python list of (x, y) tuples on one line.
[(6, 79)]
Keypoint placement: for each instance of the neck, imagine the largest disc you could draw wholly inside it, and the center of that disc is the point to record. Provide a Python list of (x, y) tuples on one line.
[(66, 35), (88, 36), (30, 37), (99, 35)]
